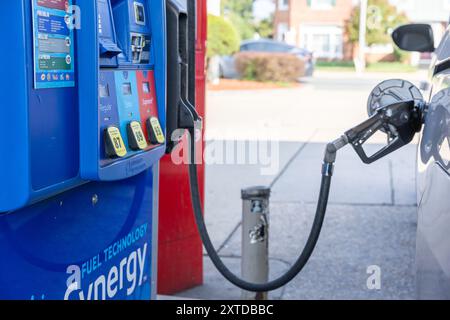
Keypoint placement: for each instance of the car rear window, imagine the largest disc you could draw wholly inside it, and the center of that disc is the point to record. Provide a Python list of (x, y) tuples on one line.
[(266, 47)]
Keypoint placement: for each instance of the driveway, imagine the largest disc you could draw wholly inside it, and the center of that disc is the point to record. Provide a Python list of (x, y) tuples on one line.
[(371, 221)]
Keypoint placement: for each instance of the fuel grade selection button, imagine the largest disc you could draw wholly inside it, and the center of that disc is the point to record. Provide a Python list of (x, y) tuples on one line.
[(114, 145), (155, 132), (136, 136)]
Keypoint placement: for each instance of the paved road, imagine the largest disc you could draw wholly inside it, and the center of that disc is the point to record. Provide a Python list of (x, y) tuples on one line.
[(372, 215)]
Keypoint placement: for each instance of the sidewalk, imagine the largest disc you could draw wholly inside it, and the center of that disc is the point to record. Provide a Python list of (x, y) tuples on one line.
[(372, 214)]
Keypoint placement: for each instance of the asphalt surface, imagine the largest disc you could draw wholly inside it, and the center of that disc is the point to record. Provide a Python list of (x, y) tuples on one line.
[(371, 219)]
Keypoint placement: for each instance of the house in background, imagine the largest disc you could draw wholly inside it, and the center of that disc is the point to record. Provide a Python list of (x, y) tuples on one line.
[(317, 25)]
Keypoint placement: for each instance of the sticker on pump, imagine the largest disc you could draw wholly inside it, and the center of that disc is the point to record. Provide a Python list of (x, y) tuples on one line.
[(115, 147), (155, 131), (136, 137)]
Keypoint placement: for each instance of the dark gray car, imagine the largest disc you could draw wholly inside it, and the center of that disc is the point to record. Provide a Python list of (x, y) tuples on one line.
[(227, 63)]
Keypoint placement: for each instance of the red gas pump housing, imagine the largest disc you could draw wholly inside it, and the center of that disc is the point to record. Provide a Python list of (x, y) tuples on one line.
[(180, 257)]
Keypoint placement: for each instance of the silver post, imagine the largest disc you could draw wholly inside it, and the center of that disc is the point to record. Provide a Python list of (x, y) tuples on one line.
[(361, 67), (255, 239)]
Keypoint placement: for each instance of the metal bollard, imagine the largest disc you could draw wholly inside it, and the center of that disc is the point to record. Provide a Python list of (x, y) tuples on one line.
[(255, 239)]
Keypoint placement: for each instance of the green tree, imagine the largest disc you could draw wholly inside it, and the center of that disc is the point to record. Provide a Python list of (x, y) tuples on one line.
[(243, 8), (223, 38), (240, 14), (265, 27), (382, 18), (244, 28)]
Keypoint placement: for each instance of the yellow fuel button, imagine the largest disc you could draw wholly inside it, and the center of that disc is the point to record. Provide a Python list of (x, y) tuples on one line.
[(155, 132), (114, 145), (136, 136)]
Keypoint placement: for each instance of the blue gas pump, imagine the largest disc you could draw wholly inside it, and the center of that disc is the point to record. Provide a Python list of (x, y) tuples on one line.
[(83, 120), (90, 91)]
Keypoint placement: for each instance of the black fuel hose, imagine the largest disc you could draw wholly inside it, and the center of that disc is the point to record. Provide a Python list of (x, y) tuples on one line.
[(298, 266)]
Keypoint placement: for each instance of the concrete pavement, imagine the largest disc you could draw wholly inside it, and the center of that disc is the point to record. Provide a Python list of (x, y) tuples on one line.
[(372, 215)]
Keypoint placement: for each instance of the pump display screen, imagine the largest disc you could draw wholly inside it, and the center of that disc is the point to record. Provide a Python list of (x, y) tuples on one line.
[(139, 13), (126, 89), (146, 87), (53, 44), (103, 91)]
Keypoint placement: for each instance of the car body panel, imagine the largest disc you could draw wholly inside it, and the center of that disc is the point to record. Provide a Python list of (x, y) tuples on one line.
[(433, 184)]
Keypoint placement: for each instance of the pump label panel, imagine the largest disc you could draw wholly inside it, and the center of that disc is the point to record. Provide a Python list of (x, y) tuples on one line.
[(53, 44), (52, 24)]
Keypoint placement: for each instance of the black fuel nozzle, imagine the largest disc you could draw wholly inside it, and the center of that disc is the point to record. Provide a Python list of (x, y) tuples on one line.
[(399, 121)]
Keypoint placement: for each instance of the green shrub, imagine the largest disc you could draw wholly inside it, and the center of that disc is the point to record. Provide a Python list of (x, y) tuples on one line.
[(223, 38), (401, 56), (269, 67)]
